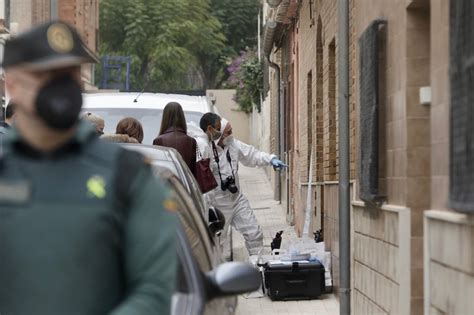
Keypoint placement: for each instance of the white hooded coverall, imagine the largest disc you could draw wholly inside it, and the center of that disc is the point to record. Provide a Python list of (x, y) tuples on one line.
[(235, 207)]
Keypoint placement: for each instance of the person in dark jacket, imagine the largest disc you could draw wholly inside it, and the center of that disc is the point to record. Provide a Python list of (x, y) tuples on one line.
[(85, 226), (173, 134)]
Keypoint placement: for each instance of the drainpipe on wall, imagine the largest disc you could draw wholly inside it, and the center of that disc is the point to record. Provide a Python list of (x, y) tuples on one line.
[(344, 188), (276, 67), (268, 38)]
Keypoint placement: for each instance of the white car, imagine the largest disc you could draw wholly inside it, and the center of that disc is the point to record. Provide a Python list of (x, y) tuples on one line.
[(146, 107)]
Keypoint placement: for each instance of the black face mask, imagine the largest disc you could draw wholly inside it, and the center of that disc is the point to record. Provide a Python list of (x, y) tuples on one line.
[(59, 102)]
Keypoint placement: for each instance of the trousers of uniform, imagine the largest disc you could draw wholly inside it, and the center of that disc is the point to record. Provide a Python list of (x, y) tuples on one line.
[(238, 214)]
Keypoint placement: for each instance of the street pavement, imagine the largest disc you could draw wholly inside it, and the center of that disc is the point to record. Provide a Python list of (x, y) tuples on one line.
[(271, 216)]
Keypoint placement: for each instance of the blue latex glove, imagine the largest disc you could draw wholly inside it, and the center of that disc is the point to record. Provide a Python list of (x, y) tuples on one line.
[(277, 164)]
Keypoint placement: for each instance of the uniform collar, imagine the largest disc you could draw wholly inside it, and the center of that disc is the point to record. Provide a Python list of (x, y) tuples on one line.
[(4, 125), (84, 133)]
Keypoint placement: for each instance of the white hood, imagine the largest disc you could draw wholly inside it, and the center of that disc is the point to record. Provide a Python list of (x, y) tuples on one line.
[(224, 123)]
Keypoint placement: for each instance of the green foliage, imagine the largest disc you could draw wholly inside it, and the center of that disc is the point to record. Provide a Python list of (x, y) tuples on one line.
[(177, 44), (246, 76), (163, 37), (239, 24)]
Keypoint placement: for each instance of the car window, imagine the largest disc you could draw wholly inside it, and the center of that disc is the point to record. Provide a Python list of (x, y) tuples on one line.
[(169, 165), (193, 117), (149, 118), (194, 228)]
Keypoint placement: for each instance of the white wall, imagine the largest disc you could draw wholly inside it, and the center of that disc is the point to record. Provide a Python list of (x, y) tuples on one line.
[(229, 109)]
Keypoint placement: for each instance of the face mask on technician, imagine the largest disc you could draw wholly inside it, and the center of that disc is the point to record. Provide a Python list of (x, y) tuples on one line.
[(215, 134), (59, 102)]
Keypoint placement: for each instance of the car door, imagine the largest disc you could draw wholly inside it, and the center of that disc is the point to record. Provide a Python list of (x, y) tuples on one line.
[(190, 182), (202, 246), (189, 297)]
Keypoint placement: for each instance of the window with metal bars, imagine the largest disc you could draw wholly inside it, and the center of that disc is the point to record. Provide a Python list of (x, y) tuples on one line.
[(368, 164), (461, 187)]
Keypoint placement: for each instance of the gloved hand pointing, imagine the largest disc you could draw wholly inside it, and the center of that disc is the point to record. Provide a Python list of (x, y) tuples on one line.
[(277, 164)]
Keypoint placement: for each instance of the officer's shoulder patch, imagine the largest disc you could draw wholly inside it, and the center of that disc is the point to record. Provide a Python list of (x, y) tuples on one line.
[(170, 205), (96, 187)]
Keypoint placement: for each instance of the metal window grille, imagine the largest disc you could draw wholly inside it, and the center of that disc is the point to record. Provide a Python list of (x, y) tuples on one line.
[(369, 112), (461, 196), (116, 72)]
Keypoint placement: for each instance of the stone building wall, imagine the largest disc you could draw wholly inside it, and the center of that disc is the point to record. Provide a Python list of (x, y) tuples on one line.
[(393, 232), (412, 254), (449, 236)]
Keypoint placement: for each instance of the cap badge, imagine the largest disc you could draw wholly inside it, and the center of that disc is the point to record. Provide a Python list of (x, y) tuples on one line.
[(60, 38)]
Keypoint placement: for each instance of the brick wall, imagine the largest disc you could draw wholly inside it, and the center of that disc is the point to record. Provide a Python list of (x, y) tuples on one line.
[(41, 11), (84, 16), (21, 14), (315, 108), (413, 260)]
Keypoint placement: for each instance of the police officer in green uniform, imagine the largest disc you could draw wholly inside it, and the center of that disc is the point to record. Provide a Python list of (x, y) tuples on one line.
[(85, 228)]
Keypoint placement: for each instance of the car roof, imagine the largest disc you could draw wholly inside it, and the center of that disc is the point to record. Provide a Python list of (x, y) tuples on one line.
[(152, 151), (145, 101)]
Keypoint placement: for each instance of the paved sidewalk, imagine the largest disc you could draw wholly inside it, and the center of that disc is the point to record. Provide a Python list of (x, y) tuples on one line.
[(271, 216)]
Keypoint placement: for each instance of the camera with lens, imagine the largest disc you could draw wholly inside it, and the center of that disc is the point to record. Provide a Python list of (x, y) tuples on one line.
[(229, 184)]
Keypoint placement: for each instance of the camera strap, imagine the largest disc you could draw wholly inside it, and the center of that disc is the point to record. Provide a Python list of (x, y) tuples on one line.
[(230, 162), (216, 158)]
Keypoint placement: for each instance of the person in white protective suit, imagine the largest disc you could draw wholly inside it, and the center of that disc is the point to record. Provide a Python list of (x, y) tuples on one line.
[(226, 153)]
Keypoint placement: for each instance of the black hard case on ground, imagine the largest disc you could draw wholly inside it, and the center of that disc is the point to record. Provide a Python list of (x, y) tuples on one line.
[(295, 281)]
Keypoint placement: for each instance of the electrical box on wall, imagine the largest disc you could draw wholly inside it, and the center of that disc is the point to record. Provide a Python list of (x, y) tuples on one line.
[(425, 95)]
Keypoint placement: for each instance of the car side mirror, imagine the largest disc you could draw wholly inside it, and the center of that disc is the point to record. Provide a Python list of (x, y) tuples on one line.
[(233, 278), (216, 220)]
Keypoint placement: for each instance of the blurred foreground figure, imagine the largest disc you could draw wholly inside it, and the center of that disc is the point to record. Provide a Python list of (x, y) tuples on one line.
[(84, 226)]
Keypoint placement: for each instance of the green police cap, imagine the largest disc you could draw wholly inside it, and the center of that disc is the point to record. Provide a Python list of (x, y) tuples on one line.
[(49, 46)]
